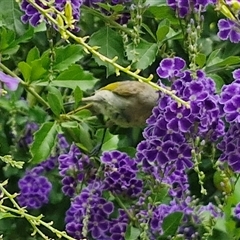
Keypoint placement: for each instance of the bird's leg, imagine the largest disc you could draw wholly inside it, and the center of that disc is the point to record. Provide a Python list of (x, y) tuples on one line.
[(96, 150)]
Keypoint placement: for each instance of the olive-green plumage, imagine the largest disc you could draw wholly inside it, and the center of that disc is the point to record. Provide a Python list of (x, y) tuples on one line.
[(126, 103)]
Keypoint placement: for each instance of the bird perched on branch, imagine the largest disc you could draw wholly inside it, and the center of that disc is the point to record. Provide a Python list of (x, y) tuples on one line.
[(125, 103)]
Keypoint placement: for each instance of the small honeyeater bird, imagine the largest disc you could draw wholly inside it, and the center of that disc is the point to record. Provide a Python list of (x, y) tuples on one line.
[(124, 103)]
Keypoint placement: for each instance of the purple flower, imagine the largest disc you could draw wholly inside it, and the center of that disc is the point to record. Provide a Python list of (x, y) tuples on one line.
[(49, 164), (98, 226), (171, 67), (228, 29), (237, 211), (236, 75), (69, 186), (178, 118), (10, 82), (62, 143)]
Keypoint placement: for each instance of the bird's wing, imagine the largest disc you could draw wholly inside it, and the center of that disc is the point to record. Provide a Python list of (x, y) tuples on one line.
[(124, 88)]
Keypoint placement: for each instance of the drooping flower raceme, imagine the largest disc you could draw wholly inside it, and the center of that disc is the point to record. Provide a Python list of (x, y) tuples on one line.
[(89, 216), (34, 189), (166, 153), (121, 174), (165, 141), (72, 167), (34, 186)]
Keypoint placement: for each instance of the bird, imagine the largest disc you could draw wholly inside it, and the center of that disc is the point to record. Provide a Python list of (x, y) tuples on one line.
[(125, 103)]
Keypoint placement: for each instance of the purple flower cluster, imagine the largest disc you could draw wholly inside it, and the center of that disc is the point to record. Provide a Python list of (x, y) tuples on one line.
[(185, 7), (34, 17), (89, 216), (72, 167), (168, 146), (121, 174), (34, 189), (166, 153)]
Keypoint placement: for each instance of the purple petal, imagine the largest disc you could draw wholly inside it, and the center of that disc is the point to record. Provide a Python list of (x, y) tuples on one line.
[(236, 74), (10, 82)]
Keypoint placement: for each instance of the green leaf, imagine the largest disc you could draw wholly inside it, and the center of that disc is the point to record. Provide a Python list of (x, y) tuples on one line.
[(111, 45), (149, 31), (6, 38), (229, 61), (37, 70), (162, 32), (118, 7), (6, 215), (154, 2), (143, 54), (105, 6), (64, 57), (33, 54), (55, 100), (132, 233), (11, 16), (44, 141), (171, 223), (73, 77), (200, 59), (131, 151), (218, 80), (25, 70), (221, 64), (12, 46), (110, 140), (214, 57), (163, 12), (78, 94), (79, 133)]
